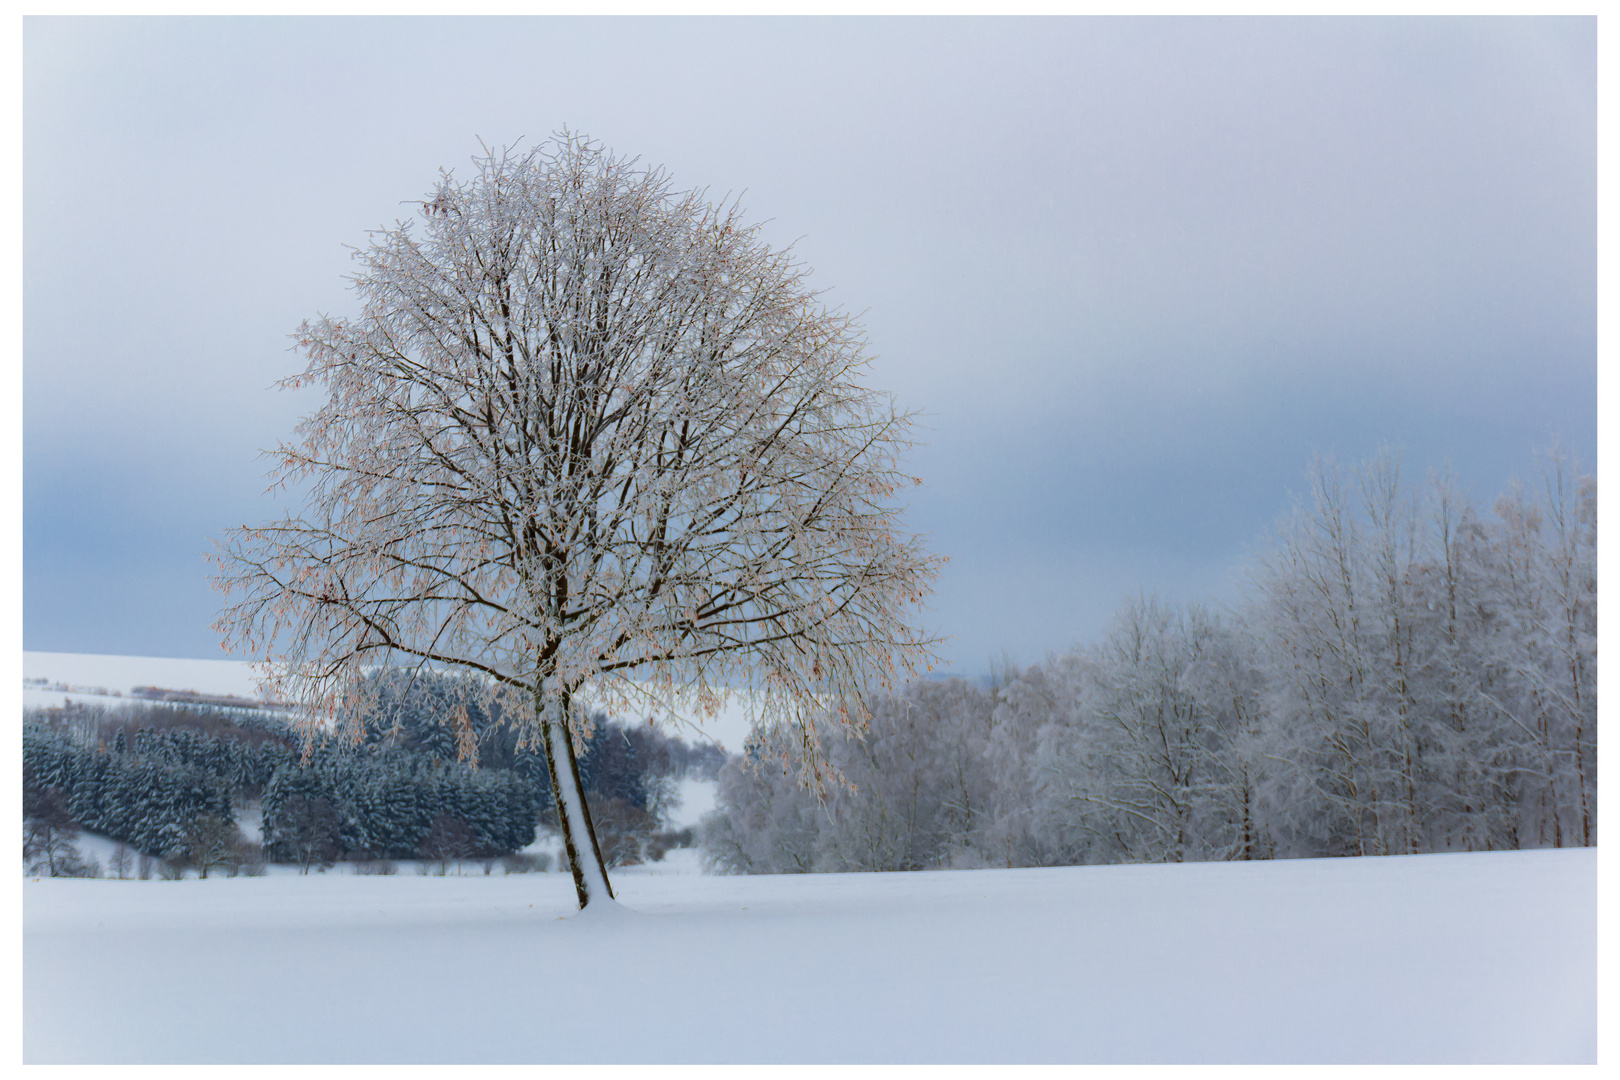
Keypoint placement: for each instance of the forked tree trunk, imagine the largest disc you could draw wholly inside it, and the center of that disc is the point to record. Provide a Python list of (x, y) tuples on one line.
[(573, 813)]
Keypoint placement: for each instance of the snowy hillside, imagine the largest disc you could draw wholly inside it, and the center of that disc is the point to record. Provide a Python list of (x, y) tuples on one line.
[(1434, 958), (114, 681), (51, 677)]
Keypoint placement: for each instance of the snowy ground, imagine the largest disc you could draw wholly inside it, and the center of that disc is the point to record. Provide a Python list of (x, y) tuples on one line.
[(1455, 958), (1436, 958)]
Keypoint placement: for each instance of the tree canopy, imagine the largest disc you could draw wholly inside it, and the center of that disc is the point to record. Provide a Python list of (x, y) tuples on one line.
[(588, 432)]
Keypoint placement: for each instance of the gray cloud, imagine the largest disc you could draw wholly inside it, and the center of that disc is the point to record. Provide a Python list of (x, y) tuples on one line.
[(1135, 271)]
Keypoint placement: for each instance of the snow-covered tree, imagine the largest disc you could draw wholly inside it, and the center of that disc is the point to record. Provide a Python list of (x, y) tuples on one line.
[(1540, 683), (1431, 675), (1333, 605), (1148, 744), (1041, 715), (587, 432), (893, 813), (764, 821), (1402, 675)]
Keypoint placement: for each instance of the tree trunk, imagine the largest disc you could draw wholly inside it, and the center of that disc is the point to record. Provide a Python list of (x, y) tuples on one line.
[(573, 814)]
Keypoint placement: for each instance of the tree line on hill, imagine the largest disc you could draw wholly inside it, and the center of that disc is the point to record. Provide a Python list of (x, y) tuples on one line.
[(168, 781), (1402, 674)]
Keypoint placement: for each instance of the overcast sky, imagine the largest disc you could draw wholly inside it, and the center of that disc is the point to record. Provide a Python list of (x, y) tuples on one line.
[(1136, 272)]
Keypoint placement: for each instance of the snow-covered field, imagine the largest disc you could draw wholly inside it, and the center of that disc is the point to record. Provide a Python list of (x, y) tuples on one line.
[(1450, 958), (120, 673), (1434, 958)]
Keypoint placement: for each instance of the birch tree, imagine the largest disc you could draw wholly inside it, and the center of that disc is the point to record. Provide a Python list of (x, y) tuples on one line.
[(589, 434)]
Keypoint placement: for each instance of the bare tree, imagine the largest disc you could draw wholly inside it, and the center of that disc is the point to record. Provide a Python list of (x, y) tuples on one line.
[(211, 841), (48, 850), (312, 832), (49, 832), (448, 840), (589, 434), (122, 862), (623, 830)]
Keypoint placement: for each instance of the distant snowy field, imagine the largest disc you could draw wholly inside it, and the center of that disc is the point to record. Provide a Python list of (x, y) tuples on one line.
[(1431, 958), (102, 679), (107, 680)]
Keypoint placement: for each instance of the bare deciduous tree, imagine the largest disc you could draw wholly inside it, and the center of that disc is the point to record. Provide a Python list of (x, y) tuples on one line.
[(49, 832), (48, 850), (448, 840), (589, 434), (312, 835), (212, 842), (623, 830)]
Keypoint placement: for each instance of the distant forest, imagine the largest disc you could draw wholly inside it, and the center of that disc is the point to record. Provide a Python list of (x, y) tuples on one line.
[(1402, 674), (168, 781)]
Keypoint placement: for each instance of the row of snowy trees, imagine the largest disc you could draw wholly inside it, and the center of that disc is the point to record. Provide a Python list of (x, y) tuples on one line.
[(1403, 674), (150, 803), (147, 775), (395, 805)]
